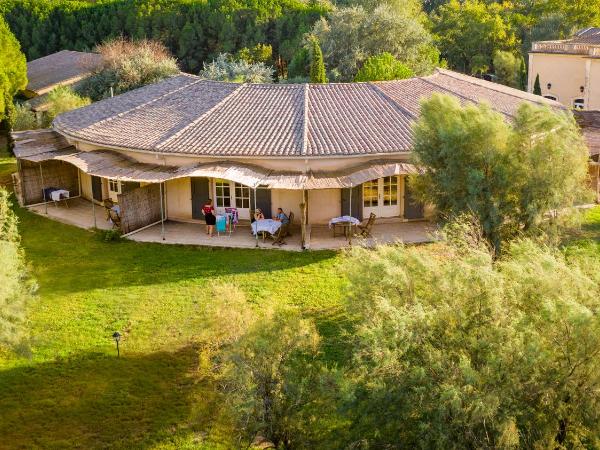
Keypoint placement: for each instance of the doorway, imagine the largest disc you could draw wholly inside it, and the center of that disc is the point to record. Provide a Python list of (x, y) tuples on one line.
[(381, 197)]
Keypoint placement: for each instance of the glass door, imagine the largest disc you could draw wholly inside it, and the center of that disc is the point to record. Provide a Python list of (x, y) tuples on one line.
[(381, 197), (229, 194)]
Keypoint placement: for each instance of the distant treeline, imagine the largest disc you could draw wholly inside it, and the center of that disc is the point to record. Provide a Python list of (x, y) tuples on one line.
[(195, 31)]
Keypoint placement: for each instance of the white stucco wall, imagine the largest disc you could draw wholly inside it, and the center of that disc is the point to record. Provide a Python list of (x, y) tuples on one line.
[(179, 199), (323, 205), (288, 200), (566, 74)]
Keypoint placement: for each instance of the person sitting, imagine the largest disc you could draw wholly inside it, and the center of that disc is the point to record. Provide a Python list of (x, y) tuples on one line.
[(281, 217), (258, 215), (284, 229)]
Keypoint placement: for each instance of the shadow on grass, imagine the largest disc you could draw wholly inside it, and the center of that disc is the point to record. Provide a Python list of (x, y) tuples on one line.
[(97, 401), (72, 259)]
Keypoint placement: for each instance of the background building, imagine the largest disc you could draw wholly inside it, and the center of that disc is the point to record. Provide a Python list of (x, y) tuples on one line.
[(569, 70)]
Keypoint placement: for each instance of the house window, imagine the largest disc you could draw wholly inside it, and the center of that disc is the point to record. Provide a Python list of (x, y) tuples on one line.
[(223, 194), (390, 191), (242, 196), (578, 103), (370, 193), (550, 97), (114, 186)]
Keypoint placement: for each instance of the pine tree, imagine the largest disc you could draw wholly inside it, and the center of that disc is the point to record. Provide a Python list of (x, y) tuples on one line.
[(317, 66), (537, 89), (523, 76)]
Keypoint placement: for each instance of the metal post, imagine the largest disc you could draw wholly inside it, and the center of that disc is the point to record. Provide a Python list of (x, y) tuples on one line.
[(162, 219), (94, 209), (43, 190), (350, 208), (118, 351), (256, 234)]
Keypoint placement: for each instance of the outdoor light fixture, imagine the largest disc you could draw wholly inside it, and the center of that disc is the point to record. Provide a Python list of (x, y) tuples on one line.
[(117, 337), (581, 89), (549, 86)]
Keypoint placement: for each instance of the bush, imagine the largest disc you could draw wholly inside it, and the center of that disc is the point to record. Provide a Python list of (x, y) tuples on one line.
[(383, 67), (16, 288), (224, 68), (110, 235), (128, 65), (454, 350), (23, 118), (62, 99)]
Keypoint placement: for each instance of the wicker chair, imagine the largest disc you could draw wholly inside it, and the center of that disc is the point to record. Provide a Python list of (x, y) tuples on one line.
[(365, 230), (291, 217), (108, 204)]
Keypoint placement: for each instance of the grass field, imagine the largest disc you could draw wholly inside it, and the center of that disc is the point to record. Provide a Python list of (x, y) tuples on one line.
[(72, 391)]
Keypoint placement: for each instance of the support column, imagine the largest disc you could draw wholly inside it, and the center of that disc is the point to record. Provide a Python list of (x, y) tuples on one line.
[(43, 190), (304, 218), (162, 213), (256, 234)]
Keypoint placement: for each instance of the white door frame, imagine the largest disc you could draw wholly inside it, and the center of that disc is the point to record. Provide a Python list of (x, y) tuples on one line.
[(244, 213), (377, 205)]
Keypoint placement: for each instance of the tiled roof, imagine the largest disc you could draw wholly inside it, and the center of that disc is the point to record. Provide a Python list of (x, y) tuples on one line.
[(187, 115), (64, 67)]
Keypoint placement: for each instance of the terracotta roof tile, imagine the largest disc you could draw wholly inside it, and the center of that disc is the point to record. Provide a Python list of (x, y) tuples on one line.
[(63, 67), (187, 115)]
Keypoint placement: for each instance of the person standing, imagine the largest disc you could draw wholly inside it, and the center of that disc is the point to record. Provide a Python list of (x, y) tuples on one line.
[(209, 216)]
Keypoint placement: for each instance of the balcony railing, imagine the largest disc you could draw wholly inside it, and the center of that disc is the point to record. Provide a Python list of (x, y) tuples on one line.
[(564, 47)]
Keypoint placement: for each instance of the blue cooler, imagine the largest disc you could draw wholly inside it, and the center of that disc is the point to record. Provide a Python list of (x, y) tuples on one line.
[(221, 224)]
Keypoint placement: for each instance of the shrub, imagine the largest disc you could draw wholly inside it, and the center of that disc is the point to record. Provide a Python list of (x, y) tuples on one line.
[(128, 65), (383, 67), (62, 99), (23, 118), (224, 68)]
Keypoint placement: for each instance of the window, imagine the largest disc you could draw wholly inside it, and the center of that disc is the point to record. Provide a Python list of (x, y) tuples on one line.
[(578, 103), (370, 193), (242, 196), (114, 186), (550, 97), (390, 191), (223, 194)]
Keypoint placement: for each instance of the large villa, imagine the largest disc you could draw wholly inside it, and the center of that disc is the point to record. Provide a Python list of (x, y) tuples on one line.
[(318, 151)]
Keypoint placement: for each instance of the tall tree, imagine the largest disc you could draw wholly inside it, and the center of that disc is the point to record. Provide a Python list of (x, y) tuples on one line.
[(13, 69), (508, 175), (472, 31), (317, 66), (350, 35), (537, 89)]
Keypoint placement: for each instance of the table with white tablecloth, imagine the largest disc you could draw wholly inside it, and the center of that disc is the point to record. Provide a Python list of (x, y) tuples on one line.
[(344, 219), (266, 225)]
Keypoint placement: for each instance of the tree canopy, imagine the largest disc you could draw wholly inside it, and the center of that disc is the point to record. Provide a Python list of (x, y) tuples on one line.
[(507, 175), (13, 69), (226, 68), (383, 67), (349, 36)]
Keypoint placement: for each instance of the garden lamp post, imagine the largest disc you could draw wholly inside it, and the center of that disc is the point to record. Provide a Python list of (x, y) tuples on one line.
[(117, 337)]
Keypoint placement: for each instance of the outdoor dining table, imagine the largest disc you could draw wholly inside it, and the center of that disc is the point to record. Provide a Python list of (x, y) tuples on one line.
[(346, 223), (266, 225)]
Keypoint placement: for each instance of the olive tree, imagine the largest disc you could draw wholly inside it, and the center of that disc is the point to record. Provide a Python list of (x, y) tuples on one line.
[(509, 175), (454, 349)]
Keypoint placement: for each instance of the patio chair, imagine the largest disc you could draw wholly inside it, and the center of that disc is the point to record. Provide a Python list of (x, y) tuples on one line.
[(108, 204), (365, 230), (115, 218), (284, 230)]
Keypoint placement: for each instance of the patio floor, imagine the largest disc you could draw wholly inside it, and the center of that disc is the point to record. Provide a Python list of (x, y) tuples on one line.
[(385, 231), (76, 211)]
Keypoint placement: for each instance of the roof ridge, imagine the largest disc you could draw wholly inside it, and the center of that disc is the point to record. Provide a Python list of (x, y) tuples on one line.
[(495, 87), (220, 103), (135, 108), (305, 120), (389, 99)]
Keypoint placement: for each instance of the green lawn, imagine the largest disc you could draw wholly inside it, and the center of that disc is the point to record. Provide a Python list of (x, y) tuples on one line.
[(72, 392)]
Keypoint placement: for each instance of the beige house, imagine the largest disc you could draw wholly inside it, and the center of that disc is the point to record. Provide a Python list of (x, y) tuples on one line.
[(569, 70), (338, 149)]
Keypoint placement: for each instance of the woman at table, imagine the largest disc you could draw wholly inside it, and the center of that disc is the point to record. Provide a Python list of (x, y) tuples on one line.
[(209, 216), (258, 215)]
